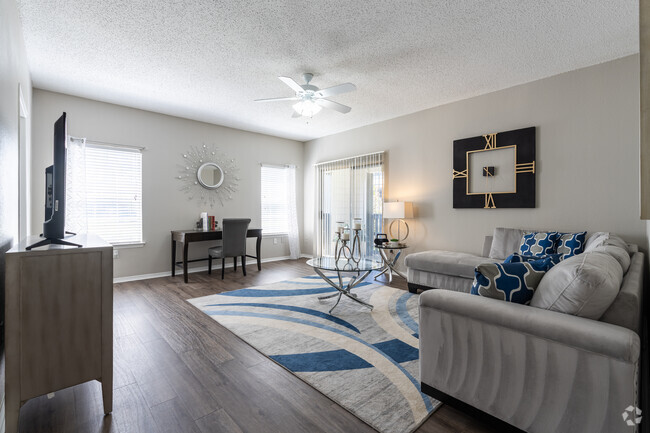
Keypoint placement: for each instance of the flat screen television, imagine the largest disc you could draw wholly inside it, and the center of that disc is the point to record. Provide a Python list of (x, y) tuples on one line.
[(54, 225)]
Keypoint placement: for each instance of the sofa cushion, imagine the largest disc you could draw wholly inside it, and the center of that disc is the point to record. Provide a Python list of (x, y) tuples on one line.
[(570, 244), (584, 285), (621, 256), (618, 242), (595, 240), (512, 282), (538, 243), (445, 262), (626, 309), (505, 241)]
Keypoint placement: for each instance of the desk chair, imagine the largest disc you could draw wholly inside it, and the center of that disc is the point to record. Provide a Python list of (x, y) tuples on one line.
[(233, 244)]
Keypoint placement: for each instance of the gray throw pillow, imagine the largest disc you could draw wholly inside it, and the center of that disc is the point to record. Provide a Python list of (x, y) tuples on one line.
[(618, 242), (595, 240), (621, 256), (505, 241), (584, 285)]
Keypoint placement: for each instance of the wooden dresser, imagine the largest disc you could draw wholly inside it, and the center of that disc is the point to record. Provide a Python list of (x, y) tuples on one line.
[(58, 320)]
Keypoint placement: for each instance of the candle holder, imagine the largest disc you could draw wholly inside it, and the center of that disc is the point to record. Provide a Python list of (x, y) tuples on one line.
[(356, 245), (342, 247)]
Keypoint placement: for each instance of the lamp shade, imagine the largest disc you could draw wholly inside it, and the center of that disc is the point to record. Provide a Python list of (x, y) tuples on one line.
[(398, 209)]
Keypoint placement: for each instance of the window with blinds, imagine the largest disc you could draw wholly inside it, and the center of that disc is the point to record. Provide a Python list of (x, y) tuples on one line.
[(114, 193), (349, 189), (275, 203)]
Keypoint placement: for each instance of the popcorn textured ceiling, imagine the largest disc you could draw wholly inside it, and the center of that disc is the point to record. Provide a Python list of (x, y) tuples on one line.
[(209, 59)]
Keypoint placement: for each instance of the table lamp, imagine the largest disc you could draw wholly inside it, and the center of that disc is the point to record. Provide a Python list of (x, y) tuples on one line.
[(397, 211)]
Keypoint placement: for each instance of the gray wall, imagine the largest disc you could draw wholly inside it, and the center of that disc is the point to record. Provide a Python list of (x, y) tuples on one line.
[(587, 158), (166, 138), (13, 72)]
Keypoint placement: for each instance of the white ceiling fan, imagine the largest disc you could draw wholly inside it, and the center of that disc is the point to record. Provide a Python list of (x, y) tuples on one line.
[(311, 98)]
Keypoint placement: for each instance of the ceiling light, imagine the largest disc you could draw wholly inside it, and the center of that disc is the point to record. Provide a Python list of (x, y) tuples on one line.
[(307, 108)]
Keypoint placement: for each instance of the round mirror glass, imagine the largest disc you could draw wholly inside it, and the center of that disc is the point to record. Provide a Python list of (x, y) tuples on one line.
[(210, 175)]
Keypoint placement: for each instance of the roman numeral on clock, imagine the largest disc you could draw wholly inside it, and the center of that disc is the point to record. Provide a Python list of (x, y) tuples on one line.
[(490, 141), (459, 174), (526, 167), (489, 201)]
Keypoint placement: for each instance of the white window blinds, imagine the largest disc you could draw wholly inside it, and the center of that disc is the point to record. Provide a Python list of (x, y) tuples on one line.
[(275, 203), (348, 189), (114, 193)]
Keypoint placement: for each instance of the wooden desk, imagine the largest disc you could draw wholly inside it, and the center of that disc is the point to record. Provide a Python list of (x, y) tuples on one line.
[(187, 236)]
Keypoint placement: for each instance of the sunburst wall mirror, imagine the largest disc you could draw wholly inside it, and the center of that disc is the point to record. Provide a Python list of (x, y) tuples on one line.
[(208, 175)]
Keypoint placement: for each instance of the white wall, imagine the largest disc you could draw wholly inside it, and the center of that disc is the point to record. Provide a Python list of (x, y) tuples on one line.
[(166, 138), (587, 158), (14, 73)]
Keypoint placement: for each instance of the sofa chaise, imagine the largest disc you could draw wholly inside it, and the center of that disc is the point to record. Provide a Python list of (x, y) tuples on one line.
[(529, 369)]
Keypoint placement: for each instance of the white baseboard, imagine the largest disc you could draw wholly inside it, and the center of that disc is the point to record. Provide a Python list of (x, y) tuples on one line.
[(216, 265)]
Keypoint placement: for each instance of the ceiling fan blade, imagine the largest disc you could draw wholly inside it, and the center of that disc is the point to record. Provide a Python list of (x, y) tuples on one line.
[(291, 83), (336, 90), (292, 98), (333, 105)]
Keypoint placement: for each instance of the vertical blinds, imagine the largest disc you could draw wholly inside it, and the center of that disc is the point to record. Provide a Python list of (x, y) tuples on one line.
[(114, 193), (275, 203), (347, 189)]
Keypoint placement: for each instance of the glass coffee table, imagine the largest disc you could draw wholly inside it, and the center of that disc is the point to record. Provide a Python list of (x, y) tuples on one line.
[(362, 268)]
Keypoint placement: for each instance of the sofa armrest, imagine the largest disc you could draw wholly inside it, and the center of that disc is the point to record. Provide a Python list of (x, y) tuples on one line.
[(585, 334)]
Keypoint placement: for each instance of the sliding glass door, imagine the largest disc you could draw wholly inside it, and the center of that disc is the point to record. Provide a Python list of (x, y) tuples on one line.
[(347, 190)]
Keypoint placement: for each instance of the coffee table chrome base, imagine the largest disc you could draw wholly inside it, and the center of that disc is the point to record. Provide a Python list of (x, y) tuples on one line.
[(389, 266), (342, 289)]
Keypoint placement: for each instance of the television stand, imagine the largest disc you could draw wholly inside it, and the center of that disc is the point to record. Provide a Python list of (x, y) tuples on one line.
[(52, 241), (58, 323)]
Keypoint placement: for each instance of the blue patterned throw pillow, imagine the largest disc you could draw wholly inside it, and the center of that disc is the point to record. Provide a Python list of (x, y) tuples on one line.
[(518, 258), (538, 244), (512, 282), (570, 244)]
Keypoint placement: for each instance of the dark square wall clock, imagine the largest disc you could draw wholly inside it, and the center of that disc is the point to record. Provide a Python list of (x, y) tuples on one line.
[(495, 170)]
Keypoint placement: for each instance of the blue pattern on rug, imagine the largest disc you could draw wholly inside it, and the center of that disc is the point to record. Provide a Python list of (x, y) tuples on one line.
[(398, 350), (292, 308), (329, 360), (329, 328), (367, 361), (403, 313), (257, 293)]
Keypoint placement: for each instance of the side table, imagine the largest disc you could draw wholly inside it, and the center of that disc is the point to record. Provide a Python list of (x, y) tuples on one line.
[(390, 258)]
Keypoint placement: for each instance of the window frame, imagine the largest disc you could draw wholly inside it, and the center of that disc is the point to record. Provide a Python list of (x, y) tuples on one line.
[(266, 233), (90, 145)]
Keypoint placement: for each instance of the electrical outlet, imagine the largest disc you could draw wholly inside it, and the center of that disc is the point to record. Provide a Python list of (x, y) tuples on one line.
[(116, 253), (275, 241)]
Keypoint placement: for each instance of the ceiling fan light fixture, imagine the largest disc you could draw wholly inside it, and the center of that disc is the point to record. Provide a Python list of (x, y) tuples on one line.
[(306, 108)]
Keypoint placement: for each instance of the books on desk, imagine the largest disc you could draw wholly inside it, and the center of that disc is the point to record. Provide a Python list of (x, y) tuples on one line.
[(209, 222)]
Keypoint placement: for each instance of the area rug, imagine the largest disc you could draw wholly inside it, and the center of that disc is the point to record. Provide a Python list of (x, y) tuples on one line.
[(366, 361)]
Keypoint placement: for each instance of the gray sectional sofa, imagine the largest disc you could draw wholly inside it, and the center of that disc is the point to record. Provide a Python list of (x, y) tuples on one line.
[(534, 369)]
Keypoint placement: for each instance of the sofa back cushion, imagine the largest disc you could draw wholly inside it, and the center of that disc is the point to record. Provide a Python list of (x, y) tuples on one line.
[(625, 311), (584, 285), (621, 256), (505, 241)]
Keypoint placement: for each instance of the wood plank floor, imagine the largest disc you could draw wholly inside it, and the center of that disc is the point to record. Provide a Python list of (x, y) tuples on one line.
[(177, 370)]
